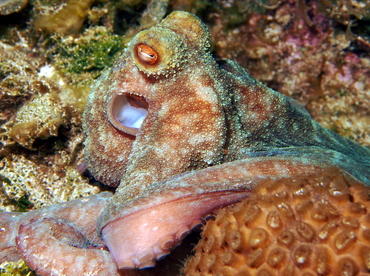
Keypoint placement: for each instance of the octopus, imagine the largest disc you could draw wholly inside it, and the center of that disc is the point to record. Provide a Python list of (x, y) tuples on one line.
[(180, 135)]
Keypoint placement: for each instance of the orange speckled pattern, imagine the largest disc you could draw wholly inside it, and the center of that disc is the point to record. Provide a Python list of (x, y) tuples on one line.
[(192, 113), (311, 226)]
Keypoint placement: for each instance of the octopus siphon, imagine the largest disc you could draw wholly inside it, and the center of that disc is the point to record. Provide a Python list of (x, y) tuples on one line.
[(180, 135)]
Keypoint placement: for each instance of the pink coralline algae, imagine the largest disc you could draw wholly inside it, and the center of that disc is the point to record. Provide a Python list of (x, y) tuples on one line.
[(180, 135)]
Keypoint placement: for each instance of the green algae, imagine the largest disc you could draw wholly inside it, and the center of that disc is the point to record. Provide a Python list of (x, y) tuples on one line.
[(90, 53), (18, 268), (21, 204)]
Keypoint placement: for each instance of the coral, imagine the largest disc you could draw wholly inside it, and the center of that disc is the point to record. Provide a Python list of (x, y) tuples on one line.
[(55, 105), (18, 78), (41, 138), (128, 16), (237, 12), (343, 10), (41, 143), (289, 227), (345, 87), (133, 20), (41, 106), (36, 99), (153, 14)]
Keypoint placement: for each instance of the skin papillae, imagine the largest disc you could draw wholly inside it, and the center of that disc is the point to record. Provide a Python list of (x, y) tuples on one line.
[(207, 135)]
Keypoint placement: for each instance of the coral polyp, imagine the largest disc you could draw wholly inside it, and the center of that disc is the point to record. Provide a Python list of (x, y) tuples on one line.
[(290, 227)]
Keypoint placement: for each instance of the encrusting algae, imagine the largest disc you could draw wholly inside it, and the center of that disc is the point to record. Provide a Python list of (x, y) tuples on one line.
[(314, 63), (68, 19), (44, 83), (40, 118)]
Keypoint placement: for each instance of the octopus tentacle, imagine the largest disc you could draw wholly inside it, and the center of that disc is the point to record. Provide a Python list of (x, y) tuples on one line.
[(8, 232), (53, 247), (200, 114), (82, 212), (176, 204)]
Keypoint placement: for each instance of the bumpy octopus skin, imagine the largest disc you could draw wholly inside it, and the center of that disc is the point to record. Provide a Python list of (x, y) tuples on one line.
[(54, 240), (180, 135), (205, 118)]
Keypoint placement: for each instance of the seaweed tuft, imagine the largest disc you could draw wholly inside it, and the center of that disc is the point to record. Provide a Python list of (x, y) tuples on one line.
[(90, 53)]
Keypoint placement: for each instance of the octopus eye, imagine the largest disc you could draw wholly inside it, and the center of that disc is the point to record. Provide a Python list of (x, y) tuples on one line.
[(146, 54), (126, 112)]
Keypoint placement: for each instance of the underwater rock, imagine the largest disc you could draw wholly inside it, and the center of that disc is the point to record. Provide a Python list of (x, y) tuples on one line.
[(38, 119), (19, 79), (315, 63), (11, 6), (67, 20)]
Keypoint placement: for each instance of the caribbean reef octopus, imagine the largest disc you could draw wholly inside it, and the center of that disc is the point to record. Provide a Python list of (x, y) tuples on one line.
[(180, 135)]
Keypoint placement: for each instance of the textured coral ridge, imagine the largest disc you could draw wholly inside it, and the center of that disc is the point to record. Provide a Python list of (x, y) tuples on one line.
[(315, 226), (176, 161)]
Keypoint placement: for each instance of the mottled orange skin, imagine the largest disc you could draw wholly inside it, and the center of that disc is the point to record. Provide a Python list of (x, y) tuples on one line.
[(200, 114)]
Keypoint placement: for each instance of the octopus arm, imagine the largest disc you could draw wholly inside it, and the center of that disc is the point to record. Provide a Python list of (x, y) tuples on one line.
[(49, 237), (8, 224), (169, 209), (53, 247)]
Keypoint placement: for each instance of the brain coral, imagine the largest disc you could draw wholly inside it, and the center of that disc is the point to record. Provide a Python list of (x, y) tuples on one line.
[(294, 227)]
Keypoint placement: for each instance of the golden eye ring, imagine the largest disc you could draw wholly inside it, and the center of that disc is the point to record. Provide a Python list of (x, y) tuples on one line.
[(146, 54)]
